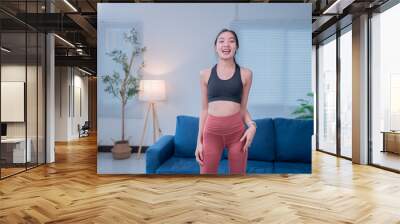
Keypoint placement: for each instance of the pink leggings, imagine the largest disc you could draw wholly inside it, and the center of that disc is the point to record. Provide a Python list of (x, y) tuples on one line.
[(220, 132)]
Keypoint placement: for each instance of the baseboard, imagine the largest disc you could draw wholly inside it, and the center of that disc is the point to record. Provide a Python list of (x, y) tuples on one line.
[(107, 148)]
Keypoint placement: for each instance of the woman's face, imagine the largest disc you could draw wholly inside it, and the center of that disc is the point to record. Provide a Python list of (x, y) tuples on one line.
[(226, 45)]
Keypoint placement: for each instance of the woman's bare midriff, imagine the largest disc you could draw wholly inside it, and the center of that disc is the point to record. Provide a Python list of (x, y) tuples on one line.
[(222, 108)]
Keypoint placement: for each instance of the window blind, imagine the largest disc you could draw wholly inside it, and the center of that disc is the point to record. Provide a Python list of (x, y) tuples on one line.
[(280, 58)]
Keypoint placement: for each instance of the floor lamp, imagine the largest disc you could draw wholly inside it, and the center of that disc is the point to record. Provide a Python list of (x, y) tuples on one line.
[(151, 91)]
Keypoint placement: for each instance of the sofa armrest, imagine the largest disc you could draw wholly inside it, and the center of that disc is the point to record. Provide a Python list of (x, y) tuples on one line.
[(159, 152)]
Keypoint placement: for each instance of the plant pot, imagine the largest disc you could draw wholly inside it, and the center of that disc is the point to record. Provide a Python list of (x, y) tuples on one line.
[(121, 150)]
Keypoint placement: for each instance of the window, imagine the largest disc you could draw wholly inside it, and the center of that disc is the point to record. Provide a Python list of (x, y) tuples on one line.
[(327, 95), (346, 92), (385, 88)]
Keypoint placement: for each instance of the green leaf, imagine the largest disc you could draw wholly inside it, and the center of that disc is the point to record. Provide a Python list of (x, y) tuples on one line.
[(305, 110), (127, 85)]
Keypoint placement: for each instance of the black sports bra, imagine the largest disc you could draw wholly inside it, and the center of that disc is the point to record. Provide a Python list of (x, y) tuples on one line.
[(228, 90)]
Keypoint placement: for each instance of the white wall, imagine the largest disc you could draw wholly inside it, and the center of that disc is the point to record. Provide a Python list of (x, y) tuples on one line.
[(66, 121), (33, 126), (179, 40), (61, 103), (80, 82), (12, 73)]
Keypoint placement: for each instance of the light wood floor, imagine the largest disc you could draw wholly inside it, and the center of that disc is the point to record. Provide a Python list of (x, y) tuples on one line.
[(10, 171), (5, 172), (70, 191)]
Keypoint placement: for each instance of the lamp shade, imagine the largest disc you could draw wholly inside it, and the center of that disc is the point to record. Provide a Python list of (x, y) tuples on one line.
[(152, 90)]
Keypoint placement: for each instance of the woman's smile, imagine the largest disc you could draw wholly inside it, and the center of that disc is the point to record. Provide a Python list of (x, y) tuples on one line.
[(226, 51)]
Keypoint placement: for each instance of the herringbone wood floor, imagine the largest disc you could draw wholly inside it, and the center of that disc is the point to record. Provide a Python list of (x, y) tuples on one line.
[(70, 191)]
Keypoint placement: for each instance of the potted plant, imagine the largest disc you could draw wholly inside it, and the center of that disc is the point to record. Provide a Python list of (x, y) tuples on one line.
[(306, 108), (125, 86), (306, 111)]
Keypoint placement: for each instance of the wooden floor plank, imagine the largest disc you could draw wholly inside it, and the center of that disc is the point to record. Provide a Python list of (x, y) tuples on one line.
[(70, 191)]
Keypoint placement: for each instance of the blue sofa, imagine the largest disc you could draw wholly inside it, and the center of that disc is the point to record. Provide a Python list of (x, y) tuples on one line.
[(280, 146)]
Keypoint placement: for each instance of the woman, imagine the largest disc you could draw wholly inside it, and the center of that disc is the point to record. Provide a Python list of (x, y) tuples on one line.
[(224, 94)]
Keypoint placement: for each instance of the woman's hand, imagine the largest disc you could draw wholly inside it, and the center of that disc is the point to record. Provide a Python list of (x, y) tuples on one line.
[(199, 154), (248, 136)]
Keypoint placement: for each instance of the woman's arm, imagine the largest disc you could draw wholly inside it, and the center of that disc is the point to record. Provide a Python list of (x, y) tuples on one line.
[(248, 79), (251, 130), (203, 115), (204, 105)]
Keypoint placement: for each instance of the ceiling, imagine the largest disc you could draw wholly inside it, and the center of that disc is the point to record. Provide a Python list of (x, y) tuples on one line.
[(76, 22)]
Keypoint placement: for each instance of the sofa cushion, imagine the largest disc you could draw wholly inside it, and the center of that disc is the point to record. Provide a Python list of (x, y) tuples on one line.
[(293, 140), (179, 165), (186, 132), (254, 166), (223, 167), (263, 145), (287, 167)]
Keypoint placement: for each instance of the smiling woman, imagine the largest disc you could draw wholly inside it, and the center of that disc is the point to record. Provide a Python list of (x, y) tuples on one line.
[(224, 94)]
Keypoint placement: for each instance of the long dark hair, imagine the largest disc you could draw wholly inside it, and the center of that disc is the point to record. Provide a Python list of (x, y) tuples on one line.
[(234, 35)]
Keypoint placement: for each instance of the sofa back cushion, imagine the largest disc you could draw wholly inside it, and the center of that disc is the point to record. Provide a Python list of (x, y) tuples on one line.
[(293, 139), (263, 145), (186, 132)]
